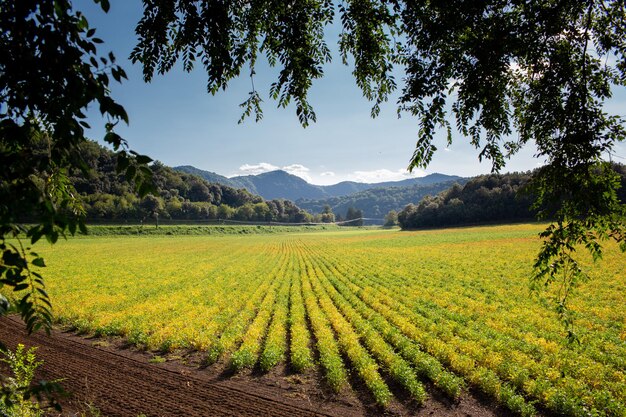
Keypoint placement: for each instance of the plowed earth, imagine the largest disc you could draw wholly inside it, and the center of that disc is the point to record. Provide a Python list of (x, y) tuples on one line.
[(123, 382)]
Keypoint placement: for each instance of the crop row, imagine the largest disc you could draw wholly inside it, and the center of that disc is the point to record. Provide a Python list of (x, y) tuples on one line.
[(485, 358)]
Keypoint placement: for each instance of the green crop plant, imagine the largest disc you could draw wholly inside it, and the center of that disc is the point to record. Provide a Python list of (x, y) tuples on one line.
[(364, 364), (276, 340), (301, 357)]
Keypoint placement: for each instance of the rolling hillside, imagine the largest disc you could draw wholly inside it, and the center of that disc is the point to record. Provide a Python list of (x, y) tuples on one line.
[(281, 184)]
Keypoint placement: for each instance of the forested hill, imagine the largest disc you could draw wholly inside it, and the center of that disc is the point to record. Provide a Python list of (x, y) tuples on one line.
[(281, 184), (484, 199), (106, 195), (377, 202), (211, 177)]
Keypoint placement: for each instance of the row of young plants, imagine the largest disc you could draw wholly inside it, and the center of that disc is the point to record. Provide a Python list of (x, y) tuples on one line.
[(462, 306), (481, 378), (335, 336), (554, 378), (337, 324), (362, 362), (218, 333), (496, 355), (348, 318), (152, 305), (364, 317), (234, 332), (326, 344), (301, 358), (247, 355)]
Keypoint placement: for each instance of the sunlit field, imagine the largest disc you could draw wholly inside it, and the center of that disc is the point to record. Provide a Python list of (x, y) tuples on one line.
[(447, 307)]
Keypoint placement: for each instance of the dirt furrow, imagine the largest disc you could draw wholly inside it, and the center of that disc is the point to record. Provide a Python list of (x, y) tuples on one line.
[(120, 385)]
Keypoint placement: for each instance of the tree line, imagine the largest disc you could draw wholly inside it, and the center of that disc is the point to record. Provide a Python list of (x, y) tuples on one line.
[(106, 195), (501, 198)]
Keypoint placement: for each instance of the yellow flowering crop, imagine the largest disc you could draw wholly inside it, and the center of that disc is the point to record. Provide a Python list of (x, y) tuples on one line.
[(447, 307)]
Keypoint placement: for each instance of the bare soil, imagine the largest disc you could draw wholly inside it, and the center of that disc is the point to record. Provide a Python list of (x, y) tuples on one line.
[(104, 375)]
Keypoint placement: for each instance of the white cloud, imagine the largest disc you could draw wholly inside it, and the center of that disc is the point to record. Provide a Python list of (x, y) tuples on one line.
[(248, 169), (256, 169), (295, 168), (382, 175), (328, 177), (298, 170)]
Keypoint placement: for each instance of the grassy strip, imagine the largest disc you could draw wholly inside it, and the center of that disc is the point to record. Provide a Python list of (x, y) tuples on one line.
[(183, 230)]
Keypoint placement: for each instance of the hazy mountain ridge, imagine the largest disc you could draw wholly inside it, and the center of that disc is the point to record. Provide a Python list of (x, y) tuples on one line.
[(281, 184), (377, 202)]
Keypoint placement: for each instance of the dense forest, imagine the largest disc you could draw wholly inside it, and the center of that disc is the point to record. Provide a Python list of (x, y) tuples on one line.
[(106, 195), (499, 198)]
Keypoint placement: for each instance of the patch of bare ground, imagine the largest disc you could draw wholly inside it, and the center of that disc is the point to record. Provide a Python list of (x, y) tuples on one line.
[(105, 375)]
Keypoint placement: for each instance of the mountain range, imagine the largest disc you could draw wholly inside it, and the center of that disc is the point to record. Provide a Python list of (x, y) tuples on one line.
[(281, 184)]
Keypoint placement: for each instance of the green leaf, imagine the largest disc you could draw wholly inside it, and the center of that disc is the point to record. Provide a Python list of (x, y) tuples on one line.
[(131, 171), (122, 162), (146, 188), (143, 159), (114, 139), (105, 5), (43, 293), (39, 262), (72, 228)]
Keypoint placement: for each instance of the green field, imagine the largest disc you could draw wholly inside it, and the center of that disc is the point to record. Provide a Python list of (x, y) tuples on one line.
[(447, 307)]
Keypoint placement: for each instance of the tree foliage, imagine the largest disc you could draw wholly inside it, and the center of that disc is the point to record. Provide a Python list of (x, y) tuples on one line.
[(391, 219), (501, 198), (50, 71), (356, 215), (504, 73)]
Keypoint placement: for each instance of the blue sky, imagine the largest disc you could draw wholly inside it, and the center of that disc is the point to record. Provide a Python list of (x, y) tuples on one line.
[(174, 120)]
